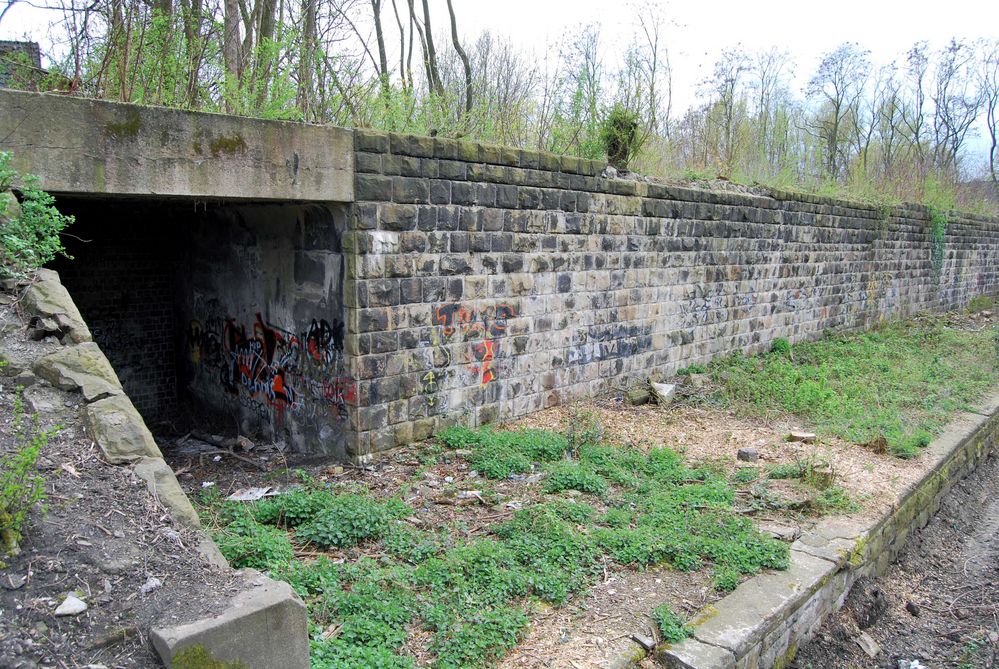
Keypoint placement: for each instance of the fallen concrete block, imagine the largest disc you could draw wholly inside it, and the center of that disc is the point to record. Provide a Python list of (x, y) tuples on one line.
[(264, 627)]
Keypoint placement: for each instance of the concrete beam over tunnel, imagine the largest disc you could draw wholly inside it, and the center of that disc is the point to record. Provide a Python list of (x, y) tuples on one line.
[(95, 148)]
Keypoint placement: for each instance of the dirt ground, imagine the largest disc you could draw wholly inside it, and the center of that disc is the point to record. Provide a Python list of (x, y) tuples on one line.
[(596, 628), (103, 538), (939, 604)]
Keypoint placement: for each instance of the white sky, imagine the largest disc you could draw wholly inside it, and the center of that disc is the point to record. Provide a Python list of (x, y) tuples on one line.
[(700, 30)]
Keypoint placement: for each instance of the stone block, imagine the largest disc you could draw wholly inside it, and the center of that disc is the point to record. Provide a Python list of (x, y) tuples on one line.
[(162, 484), (692, 654), (119, 431), (81, 367), (47, 297), (373, 188), (263, 627)]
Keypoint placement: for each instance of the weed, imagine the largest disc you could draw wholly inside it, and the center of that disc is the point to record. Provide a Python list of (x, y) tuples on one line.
[(22, 489), (725, 578), (746, 475), (980, 303), (833, 500), (574, 476), (292, 508), (346, 520), (780, 346), (901, 382), (692, 369), (246, 543), (620, 136), (498, 460), (671, 626)]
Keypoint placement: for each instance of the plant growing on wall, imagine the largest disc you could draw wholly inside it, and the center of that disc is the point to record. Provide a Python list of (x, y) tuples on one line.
[(29, 229), (620, 137)]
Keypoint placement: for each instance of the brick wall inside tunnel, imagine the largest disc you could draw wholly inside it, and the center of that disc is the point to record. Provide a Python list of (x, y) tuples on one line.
[(219, 315), (122, 278)]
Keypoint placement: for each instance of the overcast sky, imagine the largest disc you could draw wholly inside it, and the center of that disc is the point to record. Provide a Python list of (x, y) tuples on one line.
[(699, 30)]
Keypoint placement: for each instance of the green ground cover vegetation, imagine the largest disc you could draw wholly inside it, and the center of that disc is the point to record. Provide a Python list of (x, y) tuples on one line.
[(900, 382), (597, 505)]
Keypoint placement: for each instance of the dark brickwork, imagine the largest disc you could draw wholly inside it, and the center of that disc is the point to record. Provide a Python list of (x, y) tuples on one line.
[(122, 278), (484, 283)]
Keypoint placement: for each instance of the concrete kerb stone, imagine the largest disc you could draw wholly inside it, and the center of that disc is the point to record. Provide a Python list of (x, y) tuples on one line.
[(762, 623), (263, 626)]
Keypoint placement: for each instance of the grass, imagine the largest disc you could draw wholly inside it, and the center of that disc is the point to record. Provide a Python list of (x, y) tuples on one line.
[(468, 596), (900, 383)]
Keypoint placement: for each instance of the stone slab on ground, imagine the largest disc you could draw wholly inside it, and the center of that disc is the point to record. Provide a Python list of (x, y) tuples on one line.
[(119, 430), (81, 367), (264, 627)]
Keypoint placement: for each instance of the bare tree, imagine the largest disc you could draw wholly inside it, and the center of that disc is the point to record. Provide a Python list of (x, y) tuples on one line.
[(837, 84), (990, 94), (956, 102)]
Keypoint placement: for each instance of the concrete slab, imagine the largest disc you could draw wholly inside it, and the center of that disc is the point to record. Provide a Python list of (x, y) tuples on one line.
[(95, 147), (264, 627)]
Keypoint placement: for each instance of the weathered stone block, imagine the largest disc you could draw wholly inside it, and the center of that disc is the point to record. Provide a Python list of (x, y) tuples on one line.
[(263, 627)]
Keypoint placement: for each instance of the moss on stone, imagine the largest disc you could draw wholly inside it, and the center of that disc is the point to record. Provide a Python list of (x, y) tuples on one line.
[(227, 145), (198, 657), (786, 657), (127, 128)]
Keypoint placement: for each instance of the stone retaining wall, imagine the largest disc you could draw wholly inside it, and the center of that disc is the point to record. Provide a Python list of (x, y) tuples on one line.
[(484, 283)]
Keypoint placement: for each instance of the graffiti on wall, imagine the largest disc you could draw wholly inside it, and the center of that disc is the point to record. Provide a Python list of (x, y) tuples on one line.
[(273, 371), (481, 329)]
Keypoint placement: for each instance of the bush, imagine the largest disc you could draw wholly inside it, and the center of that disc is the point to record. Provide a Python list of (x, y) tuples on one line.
[(29, 238), (620, 137), (21, 488)]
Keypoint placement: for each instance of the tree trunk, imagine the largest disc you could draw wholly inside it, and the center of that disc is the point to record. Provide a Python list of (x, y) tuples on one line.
[(307, 59), (433, 73), (463, 56), (231, 49)]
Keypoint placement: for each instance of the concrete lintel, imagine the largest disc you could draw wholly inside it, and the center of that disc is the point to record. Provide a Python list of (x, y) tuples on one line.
[(94, 147)]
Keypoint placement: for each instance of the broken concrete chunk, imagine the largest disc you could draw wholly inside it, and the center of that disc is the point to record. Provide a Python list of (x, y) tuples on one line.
[(804, 437), (265, 626), (748, 454), (868, 645), (699, 380), (81, 367), (119, 430), (663, 392)]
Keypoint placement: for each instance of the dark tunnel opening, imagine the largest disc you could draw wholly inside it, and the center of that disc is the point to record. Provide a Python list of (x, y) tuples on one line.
[(224, 316)]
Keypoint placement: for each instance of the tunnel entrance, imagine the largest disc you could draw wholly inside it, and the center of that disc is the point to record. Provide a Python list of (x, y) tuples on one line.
[(219, 315)]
